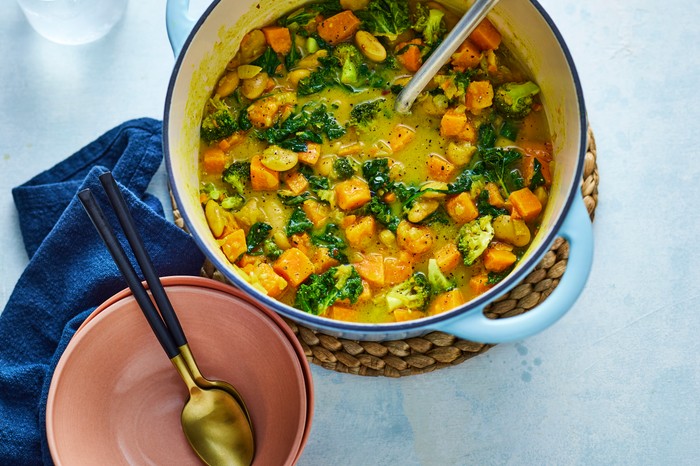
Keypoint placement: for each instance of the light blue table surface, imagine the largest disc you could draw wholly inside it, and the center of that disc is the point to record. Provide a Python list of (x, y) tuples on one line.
[(616, 381)]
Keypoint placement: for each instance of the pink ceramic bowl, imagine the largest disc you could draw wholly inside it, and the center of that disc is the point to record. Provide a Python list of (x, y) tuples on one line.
[(116, 399)]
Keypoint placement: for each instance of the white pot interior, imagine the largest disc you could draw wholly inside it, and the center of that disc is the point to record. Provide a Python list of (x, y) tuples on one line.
[(216, 40)]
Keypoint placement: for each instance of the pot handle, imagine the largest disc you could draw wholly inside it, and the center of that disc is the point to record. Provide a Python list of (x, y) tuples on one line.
[(177, 23), (578, 231)]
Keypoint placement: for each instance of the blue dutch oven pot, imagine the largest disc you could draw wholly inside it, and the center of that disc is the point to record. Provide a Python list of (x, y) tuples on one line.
[(203, 47)]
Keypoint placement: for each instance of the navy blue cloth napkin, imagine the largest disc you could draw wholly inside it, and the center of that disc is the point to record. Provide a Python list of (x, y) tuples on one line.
[(70, 271)]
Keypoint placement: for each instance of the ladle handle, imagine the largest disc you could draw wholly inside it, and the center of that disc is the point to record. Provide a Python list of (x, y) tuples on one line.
[(106, 232), (442, 53), (126, 220)]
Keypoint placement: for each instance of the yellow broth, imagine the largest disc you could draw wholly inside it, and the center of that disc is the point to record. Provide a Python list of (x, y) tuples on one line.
[(409, 167)]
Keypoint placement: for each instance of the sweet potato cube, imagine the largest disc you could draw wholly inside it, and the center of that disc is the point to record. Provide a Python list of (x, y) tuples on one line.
[(316, 211), (278, 38), (261, 177), (371, 269), (498, 260), (264, 112), (526, 204), (495, 198), (468, 133), (360, 233), (297, 183), (479, 284), (322, 260), (400, 136), (479, 95), (466, 57), (413, 238), (294, 266), (448, 257), (397, 269), (265, 276), (409, 54), (234, 244), (339, 28), (352, 194), (486, 36), (446, 301), (214, 160), (312, 154), (452, 123), (440, 169), (461, 208), (301, 241)]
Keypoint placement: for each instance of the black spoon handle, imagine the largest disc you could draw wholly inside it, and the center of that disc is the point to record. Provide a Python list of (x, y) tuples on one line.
[(126, 220), (120, 258)]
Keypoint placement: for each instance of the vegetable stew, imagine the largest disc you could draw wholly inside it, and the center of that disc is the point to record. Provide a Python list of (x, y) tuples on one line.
[(325, 199)]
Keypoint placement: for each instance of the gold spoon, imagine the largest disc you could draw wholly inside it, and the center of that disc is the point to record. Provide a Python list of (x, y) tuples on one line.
[(203, 382), (164, 306), (215, 423)]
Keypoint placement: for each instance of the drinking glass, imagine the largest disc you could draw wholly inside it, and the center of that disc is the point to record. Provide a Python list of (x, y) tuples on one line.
[(73, 22)]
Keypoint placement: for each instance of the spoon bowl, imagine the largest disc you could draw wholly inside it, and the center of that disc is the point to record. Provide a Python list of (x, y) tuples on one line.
[(205, 383), (214, 422)]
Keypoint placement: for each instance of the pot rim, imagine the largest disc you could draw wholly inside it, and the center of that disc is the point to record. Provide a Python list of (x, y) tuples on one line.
[(475, 304)]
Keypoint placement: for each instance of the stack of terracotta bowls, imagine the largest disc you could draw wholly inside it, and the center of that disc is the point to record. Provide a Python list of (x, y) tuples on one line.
[(116, 399)]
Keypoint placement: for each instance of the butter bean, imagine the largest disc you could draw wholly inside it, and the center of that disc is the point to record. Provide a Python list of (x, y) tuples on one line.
[(421, 209), (227, 84), (253, 45), (279, 159), (254, 87), (370, 46), (216, 217)]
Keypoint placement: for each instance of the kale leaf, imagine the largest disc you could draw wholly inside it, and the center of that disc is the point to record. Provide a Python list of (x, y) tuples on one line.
[(298, 222), (257, 234), (319, 292)]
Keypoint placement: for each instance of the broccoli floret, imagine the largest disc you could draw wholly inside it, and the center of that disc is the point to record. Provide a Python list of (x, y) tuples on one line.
[(428, 21), (319, 292), (233, 202), (271, 250), (514, 100), (237, 175), (350, 59), (385, 18), (439, 283), (474, 237), (364, 113), (219, 124), (343, 168), (327, 196), (382, 212), (211, 191), (413, 293)]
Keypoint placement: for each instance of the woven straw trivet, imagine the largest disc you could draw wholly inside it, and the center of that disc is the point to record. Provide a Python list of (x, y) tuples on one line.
[(436, 350)]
